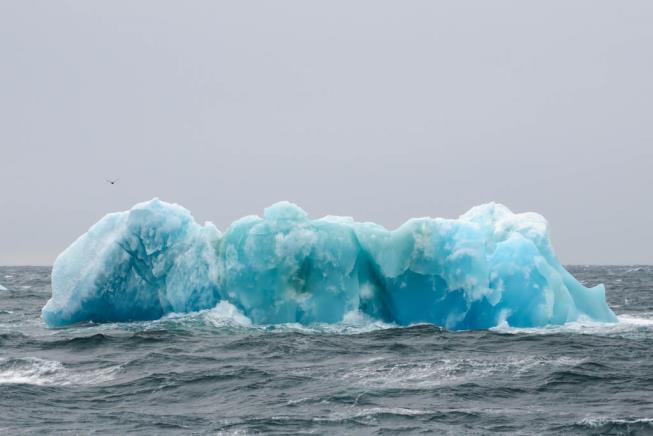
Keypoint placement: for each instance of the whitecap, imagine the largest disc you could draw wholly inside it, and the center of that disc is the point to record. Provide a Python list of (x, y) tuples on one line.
[(600, 421), (226, 315), (625, 324), (43, 372), (367, 413), (446, 372), (354, 322)]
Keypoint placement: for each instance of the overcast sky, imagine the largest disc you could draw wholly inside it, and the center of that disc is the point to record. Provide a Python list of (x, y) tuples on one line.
[(380, 110)]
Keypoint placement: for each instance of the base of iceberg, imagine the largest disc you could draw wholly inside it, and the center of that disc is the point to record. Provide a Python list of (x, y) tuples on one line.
[(488, 268)]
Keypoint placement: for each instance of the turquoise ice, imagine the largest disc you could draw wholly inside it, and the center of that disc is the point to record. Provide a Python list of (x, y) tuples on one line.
[(489, 267)]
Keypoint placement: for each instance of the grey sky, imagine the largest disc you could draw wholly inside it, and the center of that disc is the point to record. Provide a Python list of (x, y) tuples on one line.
[(374, 109)]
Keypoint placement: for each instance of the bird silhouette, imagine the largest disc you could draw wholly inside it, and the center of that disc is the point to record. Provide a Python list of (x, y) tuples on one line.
[(112, 182)]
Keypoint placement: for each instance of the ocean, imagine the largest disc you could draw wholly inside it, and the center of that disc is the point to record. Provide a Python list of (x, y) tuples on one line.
[(212, 372)]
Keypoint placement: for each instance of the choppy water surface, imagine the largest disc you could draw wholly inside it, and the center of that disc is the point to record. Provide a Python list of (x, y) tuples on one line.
[(212, 372)]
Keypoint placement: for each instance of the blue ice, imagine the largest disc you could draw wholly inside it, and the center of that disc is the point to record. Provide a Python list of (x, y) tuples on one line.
[(489, 267)]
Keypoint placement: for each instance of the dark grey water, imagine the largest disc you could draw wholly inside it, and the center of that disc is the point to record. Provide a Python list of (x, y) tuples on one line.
[(211, 373)]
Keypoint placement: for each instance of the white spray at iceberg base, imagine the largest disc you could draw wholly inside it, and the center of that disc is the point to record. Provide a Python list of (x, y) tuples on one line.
[(490, 267)]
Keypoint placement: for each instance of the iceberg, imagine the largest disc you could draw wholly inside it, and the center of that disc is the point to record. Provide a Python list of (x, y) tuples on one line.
[(489, 267)]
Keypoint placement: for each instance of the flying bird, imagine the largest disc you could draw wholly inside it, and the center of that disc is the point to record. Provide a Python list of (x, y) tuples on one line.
[(112, 182)]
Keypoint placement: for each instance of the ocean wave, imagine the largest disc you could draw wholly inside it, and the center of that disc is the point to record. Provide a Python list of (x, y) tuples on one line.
[(43, 372), (637, 269), (226, 315), (226, 318), (377, 373), (372, 413), (602, 420), (625, 324), (604, 424)]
